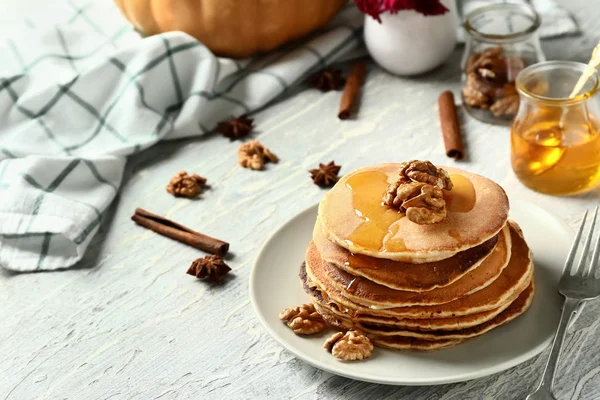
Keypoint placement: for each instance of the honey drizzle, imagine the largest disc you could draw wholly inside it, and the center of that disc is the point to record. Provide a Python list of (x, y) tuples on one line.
[(351, 288), (378, 231), (454, 234), (462, 197), (359, 261), (378, 227)]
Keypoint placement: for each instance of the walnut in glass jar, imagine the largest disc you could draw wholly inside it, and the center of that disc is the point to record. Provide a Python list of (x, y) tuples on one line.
[(501, 42)]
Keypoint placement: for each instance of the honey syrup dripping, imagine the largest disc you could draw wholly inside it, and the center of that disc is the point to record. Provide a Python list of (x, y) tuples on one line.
[(377, 230), (462, 197), (356, 261), (454, 234), (380, 226), (360, 261), (351, 288)]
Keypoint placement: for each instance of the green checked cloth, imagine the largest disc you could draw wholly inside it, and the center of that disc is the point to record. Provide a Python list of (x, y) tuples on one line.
[(78, 96)]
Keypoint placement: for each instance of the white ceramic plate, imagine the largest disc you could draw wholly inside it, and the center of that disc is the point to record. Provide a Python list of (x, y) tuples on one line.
[(274, 285)]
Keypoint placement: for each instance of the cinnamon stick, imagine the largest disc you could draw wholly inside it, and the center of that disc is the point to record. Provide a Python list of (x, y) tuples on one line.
[(450, 126), (175, 231), (352, 90)]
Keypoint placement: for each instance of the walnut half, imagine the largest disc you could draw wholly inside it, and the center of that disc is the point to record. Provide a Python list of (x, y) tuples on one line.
[(350, 346), (254, 155), (303, 320), (490, 81), (425, 204), (475, 98), (418, 192), (506, 106), (186, 185), (426, 172)]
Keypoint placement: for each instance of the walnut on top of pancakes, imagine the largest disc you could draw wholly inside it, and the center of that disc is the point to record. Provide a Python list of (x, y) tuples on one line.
[(418, 192)]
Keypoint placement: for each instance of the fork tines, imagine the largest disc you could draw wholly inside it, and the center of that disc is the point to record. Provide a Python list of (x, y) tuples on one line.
[(588, 261)]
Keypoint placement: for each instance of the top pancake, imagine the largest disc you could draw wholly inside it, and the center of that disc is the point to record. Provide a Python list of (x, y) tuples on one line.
[(353, 216)]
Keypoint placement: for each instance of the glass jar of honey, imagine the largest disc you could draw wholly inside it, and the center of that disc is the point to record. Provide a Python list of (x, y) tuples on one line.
[(501, 41), (555, 138)]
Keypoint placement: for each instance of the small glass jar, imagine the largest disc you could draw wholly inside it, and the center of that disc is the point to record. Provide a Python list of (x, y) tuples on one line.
[(555, 139), (501, 41)]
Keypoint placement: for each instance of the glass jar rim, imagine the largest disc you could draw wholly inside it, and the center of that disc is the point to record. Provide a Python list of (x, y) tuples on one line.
[(523, 9), (535, 68)]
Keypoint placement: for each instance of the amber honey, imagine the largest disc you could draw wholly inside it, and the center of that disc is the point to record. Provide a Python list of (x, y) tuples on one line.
[(556, 158), (555, 137), (380, 222), (462, 197), (380, 226), (351, 288)]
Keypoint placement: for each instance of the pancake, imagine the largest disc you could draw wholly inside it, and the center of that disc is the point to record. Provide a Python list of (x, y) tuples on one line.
[(432, 324), (345, 319), (394, 342), (514, 279), (407, 343), (516, 308), (352, 215), (370, 294), (401, 275)]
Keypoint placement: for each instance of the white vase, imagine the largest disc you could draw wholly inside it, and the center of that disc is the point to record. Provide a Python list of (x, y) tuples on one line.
[(409, 43)]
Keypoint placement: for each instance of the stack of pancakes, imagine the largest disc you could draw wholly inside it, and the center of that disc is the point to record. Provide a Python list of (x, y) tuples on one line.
[(410, 286)]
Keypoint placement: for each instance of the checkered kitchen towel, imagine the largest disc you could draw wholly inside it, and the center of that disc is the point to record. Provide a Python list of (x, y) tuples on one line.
[(79, 95)]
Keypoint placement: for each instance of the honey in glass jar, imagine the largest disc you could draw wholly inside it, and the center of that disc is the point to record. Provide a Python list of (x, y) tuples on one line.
[(555, 139)]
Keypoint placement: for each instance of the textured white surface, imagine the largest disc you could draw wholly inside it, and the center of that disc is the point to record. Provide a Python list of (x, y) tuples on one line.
[(129, 323)]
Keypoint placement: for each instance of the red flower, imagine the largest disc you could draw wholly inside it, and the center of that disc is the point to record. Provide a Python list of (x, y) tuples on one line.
[(375, 8)]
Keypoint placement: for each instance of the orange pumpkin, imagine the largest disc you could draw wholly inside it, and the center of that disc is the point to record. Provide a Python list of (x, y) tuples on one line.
[(232, 28)]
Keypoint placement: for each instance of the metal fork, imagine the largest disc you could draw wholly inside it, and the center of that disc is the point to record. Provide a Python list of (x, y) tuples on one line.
[(577, 284)]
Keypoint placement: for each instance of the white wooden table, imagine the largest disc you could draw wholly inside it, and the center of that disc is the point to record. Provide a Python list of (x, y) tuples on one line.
[(129, 323)]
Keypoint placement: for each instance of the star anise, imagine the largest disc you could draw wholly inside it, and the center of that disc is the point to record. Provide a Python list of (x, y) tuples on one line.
[(211, 266), (327, 79), (236, 128), (326, 175)]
